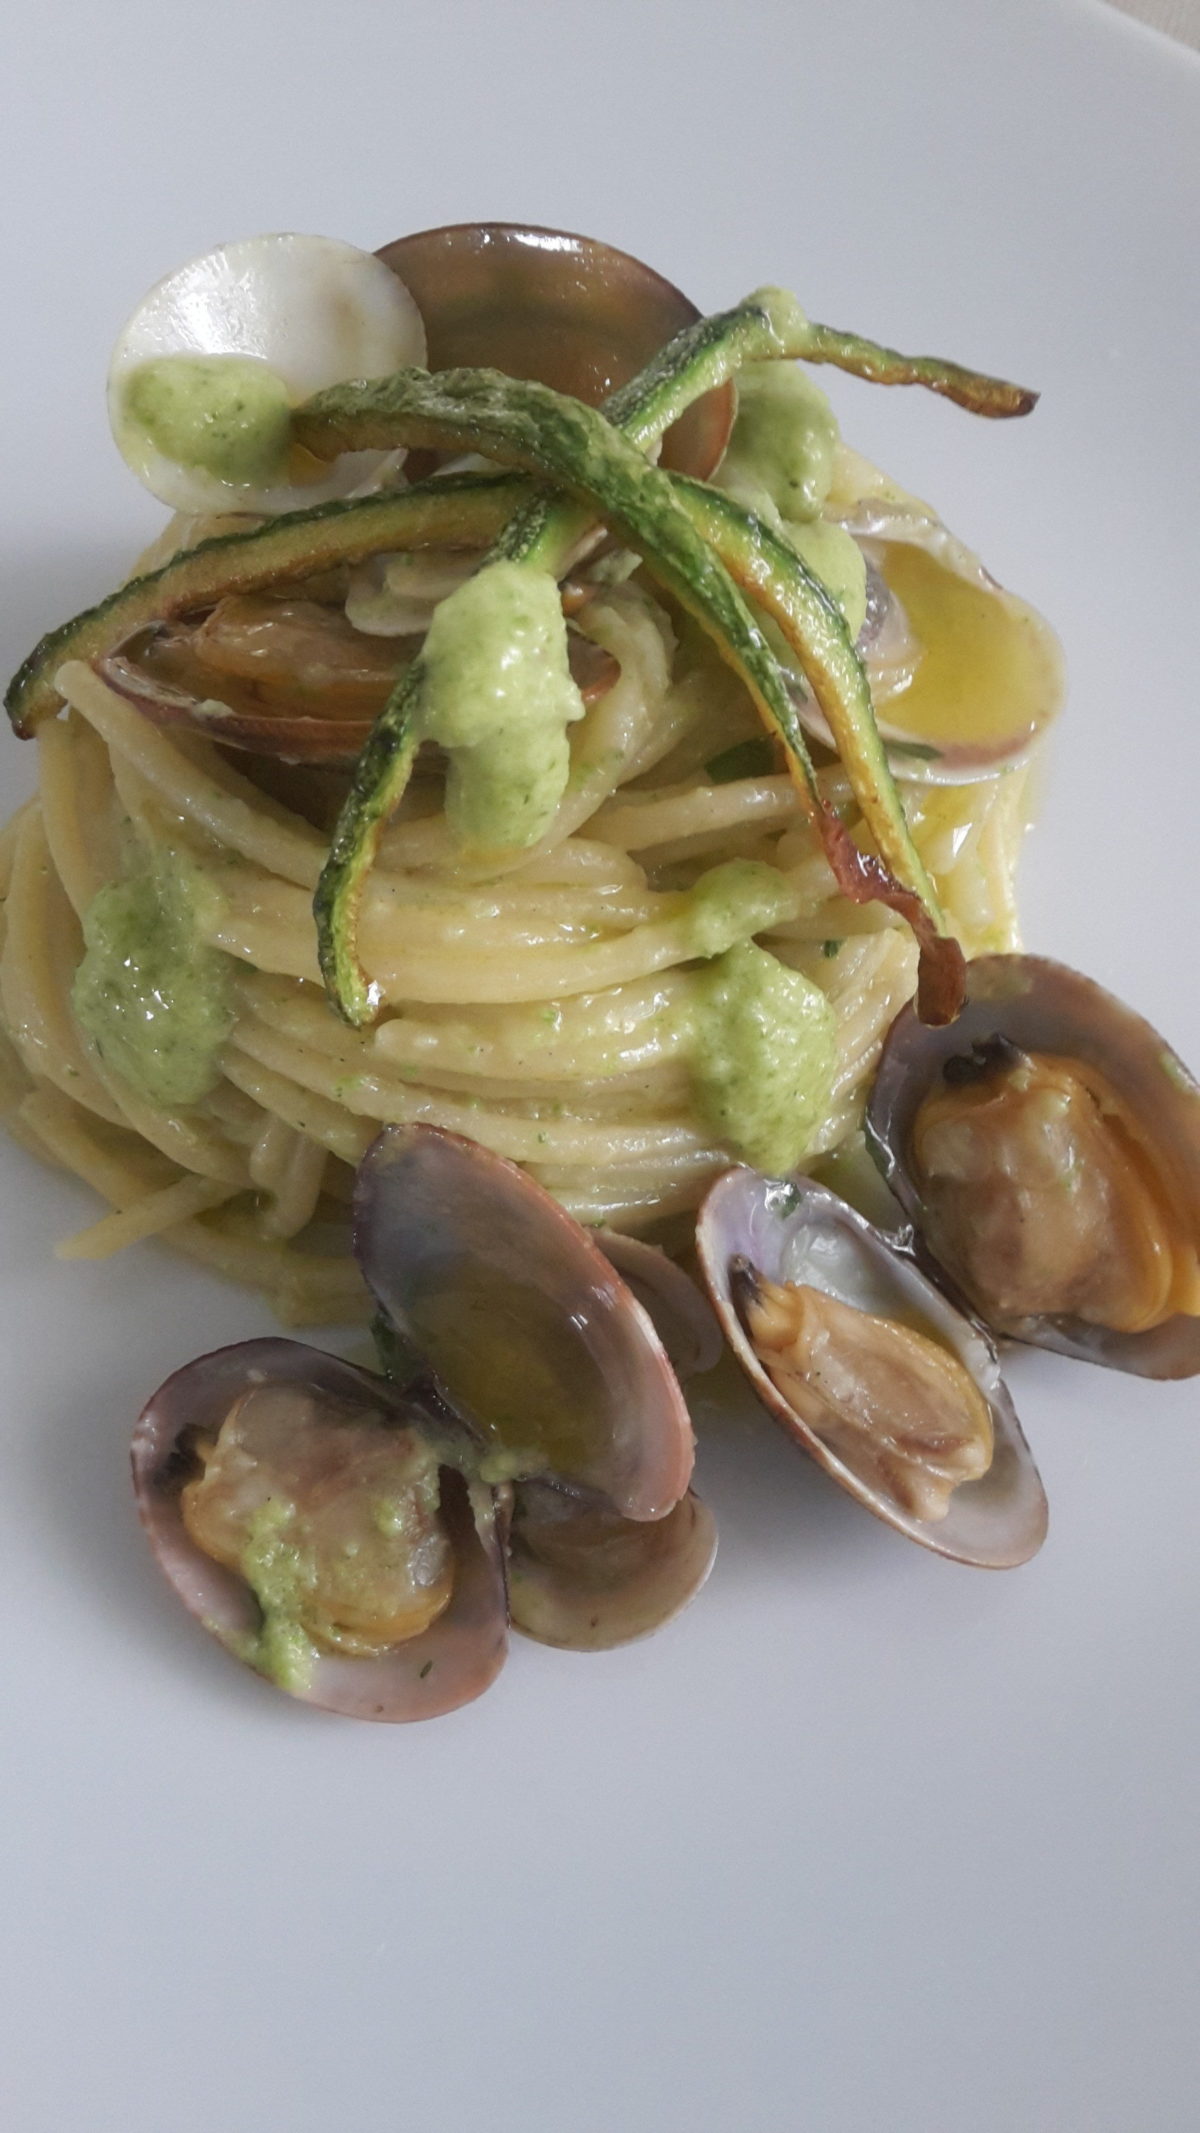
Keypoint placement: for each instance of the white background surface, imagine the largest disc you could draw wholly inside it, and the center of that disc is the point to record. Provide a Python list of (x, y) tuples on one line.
[(866, 1843)]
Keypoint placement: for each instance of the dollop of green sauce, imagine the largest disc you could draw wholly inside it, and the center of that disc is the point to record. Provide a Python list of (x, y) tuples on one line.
[(732, 901), (280, 1576), (227, 414), (499, 698), (780, 465), (764, 1053), (154, 998), (785, 437)]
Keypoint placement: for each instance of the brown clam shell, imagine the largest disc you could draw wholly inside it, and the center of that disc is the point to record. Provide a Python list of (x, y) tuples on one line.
[(585, 1579), (144, 672), (536, 1340), (566, 310), (679, 1310), (449, 1664), (1040, 1005)]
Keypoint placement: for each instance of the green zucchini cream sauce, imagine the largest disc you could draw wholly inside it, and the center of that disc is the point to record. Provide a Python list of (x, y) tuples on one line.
[(780, 466), (229, 415), (154, 999), (763, 1056), (499, 698), (280, 1576), (785, 437), (732, 901)]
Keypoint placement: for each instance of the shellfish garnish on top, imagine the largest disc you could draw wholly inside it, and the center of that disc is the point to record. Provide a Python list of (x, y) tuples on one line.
[(891, 1390), (1046, 1147)]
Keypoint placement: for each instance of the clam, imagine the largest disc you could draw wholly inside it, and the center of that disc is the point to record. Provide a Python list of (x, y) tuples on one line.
[(568, 311), (317, 1523), (681, 1316), (285, 677), (869, 1367), (527, 1328), (964, 676), (1047, 1148), (206, 371), (345, 1533), (585, 1579)]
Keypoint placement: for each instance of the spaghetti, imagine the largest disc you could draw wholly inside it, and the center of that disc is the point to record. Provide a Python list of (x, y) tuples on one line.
[(545, 1011)]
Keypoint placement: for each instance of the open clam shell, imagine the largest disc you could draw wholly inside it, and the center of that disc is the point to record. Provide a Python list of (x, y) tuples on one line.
[(574, 314), (537, 1341), (311, 311), (965, 677), (1043, 1006), (585, 1579), (163, 673), (450, 1663), (681, 1315), (796, 1231)]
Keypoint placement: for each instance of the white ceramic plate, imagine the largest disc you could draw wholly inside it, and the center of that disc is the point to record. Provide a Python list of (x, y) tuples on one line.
[(865, 1841)]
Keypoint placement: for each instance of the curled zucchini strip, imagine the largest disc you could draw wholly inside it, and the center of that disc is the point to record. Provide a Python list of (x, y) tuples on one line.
[(971, 389), (576, 448), (459, 510), (768, 325), (775, 579)]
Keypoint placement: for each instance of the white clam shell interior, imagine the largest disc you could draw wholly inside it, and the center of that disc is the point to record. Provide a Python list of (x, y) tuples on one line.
[(799, 1232), (319, 311)]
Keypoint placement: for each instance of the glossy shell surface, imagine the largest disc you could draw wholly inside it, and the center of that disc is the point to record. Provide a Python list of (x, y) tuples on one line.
[(964, 676), (140, 671), (585, 1579), (521, 1318), (574, 314), (681, 1314), (1040, 1005), (797, 1231), (317, 310), (449, 1664)]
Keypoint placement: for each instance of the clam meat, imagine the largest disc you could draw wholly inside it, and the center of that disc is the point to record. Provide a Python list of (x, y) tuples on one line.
[(346, 1534), (870, 1368), (1046, 1147)]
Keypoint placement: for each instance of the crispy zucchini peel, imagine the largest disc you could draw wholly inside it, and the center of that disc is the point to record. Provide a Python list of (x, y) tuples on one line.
[(717, 560)]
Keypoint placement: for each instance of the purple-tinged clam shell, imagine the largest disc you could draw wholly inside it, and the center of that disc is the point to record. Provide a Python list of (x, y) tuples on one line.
[(537, 1342), (798, 1232), (681, 1313), (583, 1578), (1039, 1006), (162, 672), (451, 1662)]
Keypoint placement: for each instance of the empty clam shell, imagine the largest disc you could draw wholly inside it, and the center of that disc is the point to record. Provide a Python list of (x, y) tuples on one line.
[(797, 1232), (270, 319), (449, 1663), (168, 674), (682, 1316), (965, 677), (570, 312), (583, 1578)]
